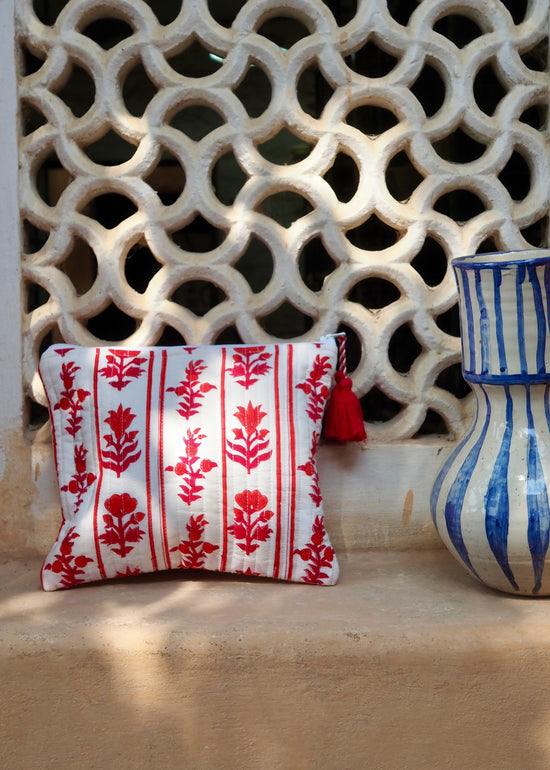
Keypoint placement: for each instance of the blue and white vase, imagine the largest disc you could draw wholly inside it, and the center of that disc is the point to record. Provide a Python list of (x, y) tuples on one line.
[(490, 501)]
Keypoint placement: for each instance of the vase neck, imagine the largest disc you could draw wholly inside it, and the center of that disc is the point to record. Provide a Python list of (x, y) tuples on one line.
[(504, 318)]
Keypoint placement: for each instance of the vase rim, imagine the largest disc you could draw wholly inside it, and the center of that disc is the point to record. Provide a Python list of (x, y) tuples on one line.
[(502, 258)]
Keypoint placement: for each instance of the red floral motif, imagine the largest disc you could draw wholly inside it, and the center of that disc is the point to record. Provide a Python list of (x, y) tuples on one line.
[(191, 390), (129, 571), (253, 448), (318, 555), (195, 550), (248, 527), (121, 524), (122, 367), (249, 364), (81, 479), (66, 563), (247, 571), (317, 390), (71, 398), (310, 469), (122, 443), (191, 468)]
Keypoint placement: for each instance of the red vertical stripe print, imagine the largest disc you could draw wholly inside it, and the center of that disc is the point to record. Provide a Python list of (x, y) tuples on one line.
[(100, 564), (148, 411), (292, 462), (278, 470), (162, 493), (223, 564)]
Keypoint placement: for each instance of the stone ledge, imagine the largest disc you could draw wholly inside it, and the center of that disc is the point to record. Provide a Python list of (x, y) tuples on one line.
[(406, 663)]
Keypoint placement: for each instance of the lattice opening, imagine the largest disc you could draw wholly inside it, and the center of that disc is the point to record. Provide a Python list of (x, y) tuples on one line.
[(196, 121), (281, 173), (79, 96), (254, 90), (110, 150), (459, 29), (198, 296), (109, 209), (343, 177), (429, 89), (140, 267), (313, 90), (373, 235), (199, 235), (372, 60), (284, 148), (286, 321), (111, 324), (137, 89), (285, 207), (374, 293), (195, 61), (256, 265), (315, 264), (284, 31), (459, 147), (488, 89), (402, 178), (401, 10), (80, 266), (107, 35), (403, 349), (167, 179), (431, 262), (371, 119), (537, 233)]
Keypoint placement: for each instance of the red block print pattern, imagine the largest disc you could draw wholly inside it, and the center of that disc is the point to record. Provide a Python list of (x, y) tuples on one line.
[(310, 469), (318, 554), (65, 565), (72, 399), (250, 523), (122, 367), (191, 390), (194, 550), (251, 443), (191, 468), (81, 480), (122, 521), (122, 444), (316, 388), (189, 457), (249, 364)]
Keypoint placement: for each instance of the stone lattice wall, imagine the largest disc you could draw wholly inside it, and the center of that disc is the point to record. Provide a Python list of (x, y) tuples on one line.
[(284, 170)]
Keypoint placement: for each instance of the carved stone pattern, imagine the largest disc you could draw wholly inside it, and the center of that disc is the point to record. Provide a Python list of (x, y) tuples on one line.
[(501, 43)]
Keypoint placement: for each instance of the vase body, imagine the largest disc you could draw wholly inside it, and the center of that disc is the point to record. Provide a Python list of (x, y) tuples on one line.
[(490, 500)]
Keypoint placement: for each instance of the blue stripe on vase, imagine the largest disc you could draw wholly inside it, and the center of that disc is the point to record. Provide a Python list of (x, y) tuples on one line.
[(497, 503), (541, 320), (497, 281), (547, 291), (441, 476), (469, 318), (520, 278), (538, 529), (455, 498), (483, 325), (507, 379)]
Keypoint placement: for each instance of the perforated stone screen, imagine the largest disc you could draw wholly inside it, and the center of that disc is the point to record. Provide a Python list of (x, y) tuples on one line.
[(220, 171)]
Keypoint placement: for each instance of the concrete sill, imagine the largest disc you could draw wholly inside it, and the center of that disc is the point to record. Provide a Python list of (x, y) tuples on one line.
[(406, 663)]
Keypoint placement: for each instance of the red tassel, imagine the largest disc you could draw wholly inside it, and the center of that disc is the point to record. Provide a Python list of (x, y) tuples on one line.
[(343, 418)]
